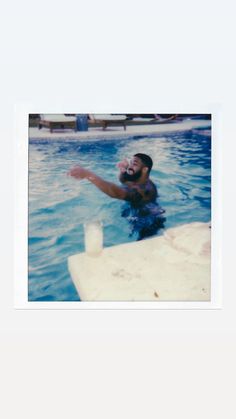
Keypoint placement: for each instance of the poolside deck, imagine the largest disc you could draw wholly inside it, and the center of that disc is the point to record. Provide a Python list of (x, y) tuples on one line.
[(173, 267), (114, 132)]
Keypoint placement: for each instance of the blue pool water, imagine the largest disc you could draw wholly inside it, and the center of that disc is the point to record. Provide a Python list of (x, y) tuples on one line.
[(60, 205)]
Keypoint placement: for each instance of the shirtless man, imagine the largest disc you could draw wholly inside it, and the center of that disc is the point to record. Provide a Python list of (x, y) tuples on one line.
[(137, 189)]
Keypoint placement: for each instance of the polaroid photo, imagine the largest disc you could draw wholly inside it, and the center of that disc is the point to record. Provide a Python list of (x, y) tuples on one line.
[(117, 210)]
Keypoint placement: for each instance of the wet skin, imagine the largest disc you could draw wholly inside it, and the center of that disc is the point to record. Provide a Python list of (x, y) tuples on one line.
[(134, 175), (137, 189)]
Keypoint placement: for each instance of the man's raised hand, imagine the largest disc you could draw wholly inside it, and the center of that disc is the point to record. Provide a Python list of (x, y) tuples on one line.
[(123, 165)]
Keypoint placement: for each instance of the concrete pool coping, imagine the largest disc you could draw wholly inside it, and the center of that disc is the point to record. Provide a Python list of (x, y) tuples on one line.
[(172, 267), (117, 132)]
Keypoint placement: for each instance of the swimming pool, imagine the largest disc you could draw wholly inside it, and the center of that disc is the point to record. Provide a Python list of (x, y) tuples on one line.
[(60, 205)]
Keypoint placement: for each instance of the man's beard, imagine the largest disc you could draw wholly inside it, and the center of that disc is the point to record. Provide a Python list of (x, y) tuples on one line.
[(131, 178)]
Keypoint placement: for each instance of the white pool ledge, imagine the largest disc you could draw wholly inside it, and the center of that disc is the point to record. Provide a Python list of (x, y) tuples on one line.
[(94, 134), (173, 267)]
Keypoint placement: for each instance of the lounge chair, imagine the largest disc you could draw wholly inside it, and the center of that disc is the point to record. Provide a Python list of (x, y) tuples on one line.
[(107, 119), (53, 121), (140, 120)]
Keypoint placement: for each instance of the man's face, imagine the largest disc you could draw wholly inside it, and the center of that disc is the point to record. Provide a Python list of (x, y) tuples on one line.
[(134, 170)]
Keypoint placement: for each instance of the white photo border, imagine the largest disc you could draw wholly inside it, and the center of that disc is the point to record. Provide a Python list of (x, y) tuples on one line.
[(21, 142)]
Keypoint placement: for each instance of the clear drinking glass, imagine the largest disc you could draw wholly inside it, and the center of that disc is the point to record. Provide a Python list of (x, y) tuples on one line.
[(93, 238)]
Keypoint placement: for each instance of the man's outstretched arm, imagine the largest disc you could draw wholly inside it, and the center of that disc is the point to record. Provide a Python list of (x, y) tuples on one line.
[(109, 188)]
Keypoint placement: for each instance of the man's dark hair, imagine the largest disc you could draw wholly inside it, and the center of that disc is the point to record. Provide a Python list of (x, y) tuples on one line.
[(146, 160)]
